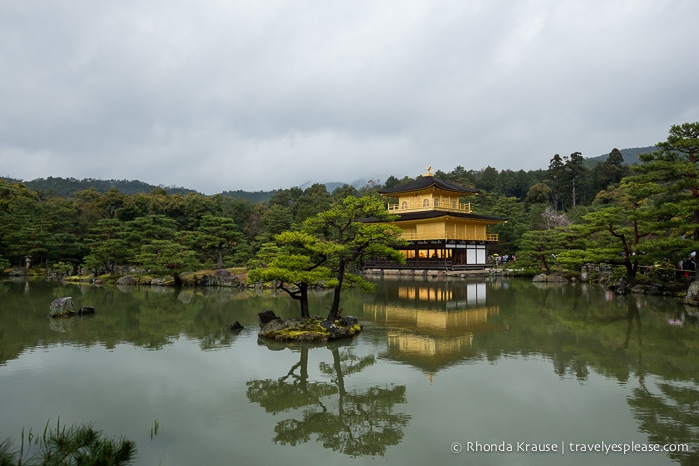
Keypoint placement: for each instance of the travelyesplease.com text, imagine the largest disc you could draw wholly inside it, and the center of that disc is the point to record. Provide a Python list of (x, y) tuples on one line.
[(564, 447)]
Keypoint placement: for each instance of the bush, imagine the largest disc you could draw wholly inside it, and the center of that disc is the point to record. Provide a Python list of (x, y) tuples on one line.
[(77, 445), (662, 272)]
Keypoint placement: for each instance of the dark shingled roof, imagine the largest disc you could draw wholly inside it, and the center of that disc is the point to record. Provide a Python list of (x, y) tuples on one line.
[(438, 213), (427, 182)]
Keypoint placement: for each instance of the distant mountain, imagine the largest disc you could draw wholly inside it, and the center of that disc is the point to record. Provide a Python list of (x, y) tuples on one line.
[(256, 196), (330, 186), (630, 156), (333, 185), (67, 187)]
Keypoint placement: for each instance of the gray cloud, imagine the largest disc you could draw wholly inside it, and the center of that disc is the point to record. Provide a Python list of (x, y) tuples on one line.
[(261, 95)]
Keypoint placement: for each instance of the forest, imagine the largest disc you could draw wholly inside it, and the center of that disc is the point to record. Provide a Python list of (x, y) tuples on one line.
[(571, 214)]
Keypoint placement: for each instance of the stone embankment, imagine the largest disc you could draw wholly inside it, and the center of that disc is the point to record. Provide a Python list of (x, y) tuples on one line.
[(435, 272)]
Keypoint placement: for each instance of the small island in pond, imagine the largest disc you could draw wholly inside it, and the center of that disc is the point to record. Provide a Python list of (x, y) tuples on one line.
[(310, 329)]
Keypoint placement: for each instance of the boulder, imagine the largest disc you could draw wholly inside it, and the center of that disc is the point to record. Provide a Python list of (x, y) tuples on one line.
[(328, 325), (692, 296), (270, 329), (266, 317), (221, 277), (542, 277), (235, 327), (161, 281), (349, 321), (127, 280), (61, 307), (86, 310)]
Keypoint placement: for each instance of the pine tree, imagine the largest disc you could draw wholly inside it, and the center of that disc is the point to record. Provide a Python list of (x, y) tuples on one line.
[(673, 169)]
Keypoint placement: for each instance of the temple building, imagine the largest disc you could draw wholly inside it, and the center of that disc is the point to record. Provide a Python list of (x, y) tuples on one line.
[(441, 230)]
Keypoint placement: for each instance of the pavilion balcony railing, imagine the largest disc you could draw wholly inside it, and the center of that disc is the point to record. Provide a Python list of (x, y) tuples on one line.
[(444, 205), (447, 236)]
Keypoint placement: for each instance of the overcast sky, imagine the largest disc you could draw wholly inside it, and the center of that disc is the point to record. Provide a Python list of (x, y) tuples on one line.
[(219, 95)]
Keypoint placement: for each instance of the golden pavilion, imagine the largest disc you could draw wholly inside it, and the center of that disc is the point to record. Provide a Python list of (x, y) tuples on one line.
[(441, 230)]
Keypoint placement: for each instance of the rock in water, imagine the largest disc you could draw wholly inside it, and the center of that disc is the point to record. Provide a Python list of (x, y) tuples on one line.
[(266, 317), (86, 310), (692, 294), (61, 307)]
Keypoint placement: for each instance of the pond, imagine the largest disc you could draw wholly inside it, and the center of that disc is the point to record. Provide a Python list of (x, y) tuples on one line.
[(446, 371)]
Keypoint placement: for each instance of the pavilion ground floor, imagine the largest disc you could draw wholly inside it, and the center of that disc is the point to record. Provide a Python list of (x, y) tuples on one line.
[(439, 255)]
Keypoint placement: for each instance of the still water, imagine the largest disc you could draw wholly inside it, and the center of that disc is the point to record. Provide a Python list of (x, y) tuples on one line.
[(446, 371)]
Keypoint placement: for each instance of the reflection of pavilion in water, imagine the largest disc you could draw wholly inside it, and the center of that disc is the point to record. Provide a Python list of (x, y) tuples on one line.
[(431, 325)]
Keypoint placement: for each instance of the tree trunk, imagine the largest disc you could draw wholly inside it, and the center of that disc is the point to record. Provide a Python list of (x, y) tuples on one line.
[(303, 298), (631, 271), (335, 308), (545, 264)]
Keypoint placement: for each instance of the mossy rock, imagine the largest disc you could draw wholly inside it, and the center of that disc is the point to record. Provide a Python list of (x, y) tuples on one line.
[(61, 307), (310, 330)]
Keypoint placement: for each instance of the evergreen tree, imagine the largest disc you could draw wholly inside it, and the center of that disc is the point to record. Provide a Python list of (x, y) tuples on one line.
[(315, 199), (539, 193), (294, 262), (352, 231), (673, 169), (28, 232), (616, 231), (150, 227), (539, 249), (107, 245), (489, 180), (162, 257), (220, 236), (541, 244), (344, 191), (575, 176), (276, 219), (609, 172), (556, 177)]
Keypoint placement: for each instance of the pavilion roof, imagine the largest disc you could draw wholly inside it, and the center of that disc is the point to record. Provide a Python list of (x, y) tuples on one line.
[(426, 182), (437, 213)]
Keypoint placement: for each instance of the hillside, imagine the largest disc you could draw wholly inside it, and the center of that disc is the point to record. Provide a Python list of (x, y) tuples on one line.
[(256, 196), (67, 187), (630, 156)]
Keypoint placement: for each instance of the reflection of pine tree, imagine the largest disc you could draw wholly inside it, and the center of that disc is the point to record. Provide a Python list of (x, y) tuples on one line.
[(669, 416), (354, 422), (291, 391)]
